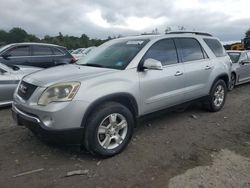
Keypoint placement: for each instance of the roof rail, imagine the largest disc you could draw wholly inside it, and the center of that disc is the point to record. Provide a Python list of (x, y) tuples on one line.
[(191, 32)]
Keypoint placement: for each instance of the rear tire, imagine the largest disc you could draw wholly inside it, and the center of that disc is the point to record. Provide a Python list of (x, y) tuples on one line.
[(232, 82), (108, 129), (217, 96)]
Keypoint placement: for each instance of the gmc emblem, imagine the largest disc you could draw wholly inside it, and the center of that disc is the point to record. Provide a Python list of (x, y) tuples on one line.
[(23, 88)]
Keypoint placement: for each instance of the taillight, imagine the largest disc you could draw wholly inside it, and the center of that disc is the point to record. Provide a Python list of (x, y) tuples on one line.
[(73, 60)]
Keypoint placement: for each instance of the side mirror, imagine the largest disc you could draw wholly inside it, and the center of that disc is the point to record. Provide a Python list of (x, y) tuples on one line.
[(6, 56), (152, 64)]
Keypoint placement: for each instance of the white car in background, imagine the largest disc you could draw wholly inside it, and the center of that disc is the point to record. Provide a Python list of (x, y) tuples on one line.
[(241, 67), (81, 52)]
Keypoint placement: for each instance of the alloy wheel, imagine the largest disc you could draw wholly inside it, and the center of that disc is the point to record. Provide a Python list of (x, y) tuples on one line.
[(219, 96), (232, 82), (112, 131)]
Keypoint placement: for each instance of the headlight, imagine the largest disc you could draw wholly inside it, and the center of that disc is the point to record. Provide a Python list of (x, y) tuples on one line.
[(59, 93)]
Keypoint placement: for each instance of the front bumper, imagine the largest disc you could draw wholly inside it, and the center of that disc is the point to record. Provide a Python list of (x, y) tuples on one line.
[(32, 122)]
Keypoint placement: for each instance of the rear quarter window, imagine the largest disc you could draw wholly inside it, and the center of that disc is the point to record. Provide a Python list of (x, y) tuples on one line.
[(216, 47), (57, 51)]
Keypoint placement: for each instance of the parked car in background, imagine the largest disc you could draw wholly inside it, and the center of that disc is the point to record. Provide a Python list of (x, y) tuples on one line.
[(97, 101), (35, 54), (81, 52), (70, 51), (240, 68), (9, 78), (78, 50), (77, 53)]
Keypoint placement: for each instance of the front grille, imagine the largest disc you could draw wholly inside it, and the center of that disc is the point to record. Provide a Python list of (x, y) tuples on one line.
[(25, 90)]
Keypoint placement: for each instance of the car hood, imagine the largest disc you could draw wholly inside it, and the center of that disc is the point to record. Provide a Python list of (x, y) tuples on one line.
[(65, 73), (28, 69)]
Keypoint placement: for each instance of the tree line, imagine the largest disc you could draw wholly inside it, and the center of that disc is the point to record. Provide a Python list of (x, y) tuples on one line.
[(17, 35), (247, 34)]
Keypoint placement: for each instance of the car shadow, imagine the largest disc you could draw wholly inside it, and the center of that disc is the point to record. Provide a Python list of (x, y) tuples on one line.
[(143, 123), (5, 108)]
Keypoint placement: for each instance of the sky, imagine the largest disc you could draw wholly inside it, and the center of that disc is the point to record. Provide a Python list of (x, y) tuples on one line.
[(226, 19)]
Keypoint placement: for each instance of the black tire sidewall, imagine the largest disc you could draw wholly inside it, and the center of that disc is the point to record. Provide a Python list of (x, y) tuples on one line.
[(231, 87), (93, 124), (214, 108)]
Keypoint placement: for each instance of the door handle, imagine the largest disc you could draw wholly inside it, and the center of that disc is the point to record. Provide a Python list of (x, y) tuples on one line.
[(178, 73), (208, 67)]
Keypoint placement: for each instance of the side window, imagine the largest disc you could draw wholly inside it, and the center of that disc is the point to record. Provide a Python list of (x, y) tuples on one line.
[(248, 55), (190, 49), (243, 57), (41, 50), (163, 51), (19, 51), (57, 51), (216, 47)]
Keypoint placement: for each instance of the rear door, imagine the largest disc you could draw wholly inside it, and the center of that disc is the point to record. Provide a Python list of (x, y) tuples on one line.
[(244, 68), (162, 88), (197, 67), (61, 56), (42, 56), (248, 67), (17, 55)]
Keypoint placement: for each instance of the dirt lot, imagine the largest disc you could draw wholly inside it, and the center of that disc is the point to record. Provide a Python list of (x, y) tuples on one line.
[(193, 148)]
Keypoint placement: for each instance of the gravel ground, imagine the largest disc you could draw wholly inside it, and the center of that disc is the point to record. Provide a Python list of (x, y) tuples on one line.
[(193, 148)]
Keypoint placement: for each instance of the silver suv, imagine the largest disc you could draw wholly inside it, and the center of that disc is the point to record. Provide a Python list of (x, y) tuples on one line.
[(97, 101)]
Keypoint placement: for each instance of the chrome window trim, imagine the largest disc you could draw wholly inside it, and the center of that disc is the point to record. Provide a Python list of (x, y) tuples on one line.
[(6, 103), (36, 56), (63, 54)]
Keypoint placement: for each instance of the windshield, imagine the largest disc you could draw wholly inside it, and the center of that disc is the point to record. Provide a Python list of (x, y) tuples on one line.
[(4, 47), (87, 50), (235, 56), (114, 54)]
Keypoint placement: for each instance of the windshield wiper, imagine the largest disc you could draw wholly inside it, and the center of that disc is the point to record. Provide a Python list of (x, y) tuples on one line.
[(92, 65)]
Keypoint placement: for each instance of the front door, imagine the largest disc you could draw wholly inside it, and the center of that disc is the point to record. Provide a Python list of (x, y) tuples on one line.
[(160, 89), (42, 56), (244, 68), (18, 55)]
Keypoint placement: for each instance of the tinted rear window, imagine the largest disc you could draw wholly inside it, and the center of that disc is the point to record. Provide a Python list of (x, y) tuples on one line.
[(41, 51), (189, 49), (57, 51), (216, 47)]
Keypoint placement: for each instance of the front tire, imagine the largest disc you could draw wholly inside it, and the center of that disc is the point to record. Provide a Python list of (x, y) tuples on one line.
[(109, 129), (217, 96)]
